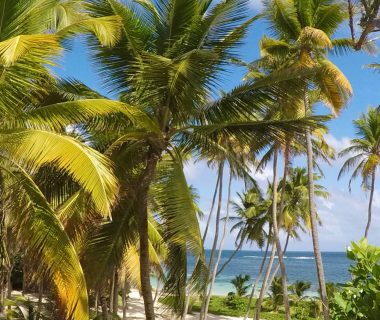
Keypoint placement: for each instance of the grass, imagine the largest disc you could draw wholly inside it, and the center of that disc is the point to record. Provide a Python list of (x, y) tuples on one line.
[(219, 305)]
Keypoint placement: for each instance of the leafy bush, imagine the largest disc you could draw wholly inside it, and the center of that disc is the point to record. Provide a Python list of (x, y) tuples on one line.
[(235, 302), (360, 298)]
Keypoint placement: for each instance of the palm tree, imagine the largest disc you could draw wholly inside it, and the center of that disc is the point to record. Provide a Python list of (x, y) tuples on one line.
[(252, 220), (304, 35), (240, 284), (300, 287), (364, 153), (34, 136), (276, 292), (169, 63)]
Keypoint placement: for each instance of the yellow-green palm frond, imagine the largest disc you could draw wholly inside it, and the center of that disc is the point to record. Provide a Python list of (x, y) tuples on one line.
[(316, 37), (271, 46), (38, 47), (106, 29), (43, 234), (60, 115), (93, 171), (335, 88), (175, 206)]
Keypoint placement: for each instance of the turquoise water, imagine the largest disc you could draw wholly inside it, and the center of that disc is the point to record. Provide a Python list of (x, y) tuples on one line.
[(300, 266)]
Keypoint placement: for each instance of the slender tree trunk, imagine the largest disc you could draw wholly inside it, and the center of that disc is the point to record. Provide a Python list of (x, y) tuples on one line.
[(373, 177), (96, 301), (188, 296), (277, 266), (142, 213), (220, 249), (257, 280), (115, 293), (231, 257), (188, 293), (313, 219), (212, 205), (103, 302), (112, 286), (266, 277), (156, 294), (277, 240), (40, 294), (215, 242), (9, 285), (124, 301)]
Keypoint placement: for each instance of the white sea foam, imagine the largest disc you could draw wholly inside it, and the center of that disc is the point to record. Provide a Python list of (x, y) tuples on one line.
[(303, 258)]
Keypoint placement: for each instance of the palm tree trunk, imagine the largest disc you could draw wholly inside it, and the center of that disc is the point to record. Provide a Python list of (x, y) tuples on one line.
[(277, 267), (112, 286), (313, 219), (257, 280), (212, 205), (115, 293), (231, 256), (156, 294), (370, 204), (40, 294), (96, 302), (220, 249), (103, 303), (124, 300), (266, 277), (188, 294), (9, 285), (216, 236), (277, 240), (142, 214)]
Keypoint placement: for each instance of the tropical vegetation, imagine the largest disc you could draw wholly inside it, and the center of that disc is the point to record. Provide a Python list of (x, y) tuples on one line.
[(94, 196)]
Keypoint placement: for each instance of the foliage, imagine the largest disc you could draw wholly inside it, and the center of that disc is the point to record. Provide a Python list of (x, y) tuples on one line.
[(276, 293), (300, 287), (360, 298), (218, 306), (240, 284)]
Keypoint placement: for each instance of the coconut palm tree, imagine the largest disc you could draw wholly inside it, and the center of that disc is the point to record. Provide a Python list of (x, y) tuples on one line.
[(303, 33), (169, 63), (300, 287), (364, 155), (240, 284), (34, 136)]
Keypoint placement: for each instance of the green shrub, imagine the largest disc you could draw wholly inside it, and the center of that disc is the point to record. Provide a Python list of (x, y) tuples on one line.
[(360, 298), (235, 302)]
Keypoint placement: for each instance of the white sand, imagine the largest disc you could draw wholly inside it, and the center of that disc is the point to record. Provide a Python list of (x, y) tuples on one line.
[(136, 310)]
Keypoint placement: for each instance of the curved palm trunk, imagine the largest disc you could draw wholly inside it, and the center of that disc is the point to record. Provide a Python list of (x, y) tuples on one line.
[(142, 213), (266, 277), (115, 306), (257, 280), (188, 294), (277, 240), (370, 203), (220, 172), (313, 220), (277, 267), (217, 220), (220, 249)]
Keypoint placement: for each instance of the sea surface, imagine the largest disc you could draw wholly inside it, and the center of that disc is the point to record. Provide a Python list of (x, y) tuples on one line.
[(300, 266)]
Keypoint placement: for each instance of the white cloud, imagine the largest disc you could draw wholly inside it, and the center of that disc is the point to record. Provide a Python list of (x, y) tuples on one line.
[(337, 143)]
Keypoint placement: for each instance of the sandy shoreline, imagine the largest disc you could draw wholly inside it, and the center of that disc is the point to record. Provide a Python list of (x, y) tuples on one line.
[(136, 310)]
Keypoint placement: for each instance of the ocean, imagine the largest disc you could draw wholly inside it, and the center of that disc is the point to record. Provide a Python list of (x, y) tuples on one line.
[(300, 266)]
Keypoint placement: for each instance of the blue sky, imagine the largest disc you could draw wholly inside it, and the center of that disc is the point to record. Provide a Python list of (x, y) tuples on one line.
[(343, 214)]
